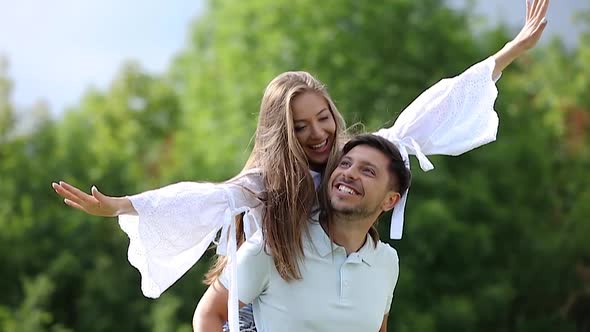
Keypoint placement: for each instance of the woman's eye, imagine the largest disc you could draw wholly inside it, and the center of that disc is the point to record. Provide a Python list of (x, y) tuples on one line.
[(324, 118), (298, 129)]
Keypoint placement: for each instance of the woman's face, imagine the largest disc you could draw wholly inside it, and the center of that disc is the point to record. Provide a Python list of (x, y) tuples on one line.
[(314, 127)]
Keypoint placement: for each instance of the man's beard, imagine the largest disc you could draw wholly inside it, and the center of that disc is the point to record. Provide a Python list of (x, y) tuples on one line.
[(352, 214)]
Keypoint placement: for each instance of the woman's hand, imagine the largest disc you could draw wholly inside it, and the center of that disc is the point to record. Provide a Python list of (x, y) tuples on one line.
[(96, 204), (535, 23), (527, 38)]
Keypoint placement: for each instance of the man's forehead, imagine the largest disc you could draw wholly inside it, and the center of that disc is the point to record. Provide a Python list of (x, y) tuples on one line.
[(367, 154)]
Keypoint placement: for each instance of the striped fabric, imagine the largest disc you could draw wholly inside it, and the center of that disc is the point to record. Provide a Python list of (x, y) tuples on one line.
[(246, 320)]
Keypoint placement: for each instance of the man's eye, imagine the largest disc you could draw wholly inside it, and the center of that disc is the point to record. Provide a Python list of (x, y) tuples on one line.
[(344, 164), (369, 171)]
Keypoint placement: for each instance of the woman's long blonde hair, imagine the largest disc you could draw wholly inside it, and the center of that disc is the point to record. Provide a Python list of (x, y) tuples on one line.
[(289, 195)]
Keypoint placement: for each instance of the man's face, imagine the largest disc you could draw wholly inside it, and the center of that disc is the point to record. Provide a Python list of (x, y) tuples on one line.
[(360, 185)]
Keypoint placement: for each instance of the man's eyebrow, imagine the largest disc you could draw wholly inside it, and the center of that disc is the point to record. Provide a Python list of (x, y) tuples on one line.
[(368, 163), (362, 162)]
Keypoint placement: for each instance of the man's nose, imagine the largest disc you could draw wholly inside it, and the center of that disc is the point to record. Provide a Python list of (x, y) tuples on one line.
[(350, 173)]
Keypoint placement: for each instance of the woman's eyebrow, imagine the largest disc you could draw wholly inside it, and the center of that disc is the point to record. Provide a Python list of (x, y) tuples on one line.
[(325, 109)]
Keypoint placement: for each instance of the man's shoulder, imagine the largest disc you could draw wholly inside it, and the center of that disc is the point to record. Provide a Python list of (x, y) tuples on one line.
[(386, 253), (387, 262), (251, 257)]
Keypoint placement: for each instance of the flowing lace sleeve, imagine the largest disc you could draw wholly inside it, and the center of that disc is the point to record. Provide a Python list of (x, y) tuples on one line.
[(452, 117), (177, 223)]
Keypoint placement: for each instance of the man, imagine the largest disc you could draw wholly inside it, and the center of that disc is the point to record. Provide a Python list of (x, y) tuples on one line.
[(348, 275)]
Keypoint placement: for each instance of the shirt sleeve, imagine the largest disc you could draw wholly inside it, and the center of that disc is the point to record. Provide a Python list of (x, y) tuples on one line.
[(176, 224), (253, 265), (452, 117)]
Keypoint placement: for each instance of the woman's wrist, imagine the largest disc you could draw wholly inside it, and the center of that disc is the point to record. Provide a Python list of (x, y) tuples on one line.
[(123, 206), (505, 56)]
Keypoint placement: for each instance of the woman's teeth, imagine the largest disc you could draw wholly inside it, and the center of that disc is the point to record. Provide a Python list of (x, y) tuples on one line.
[(319, 146)]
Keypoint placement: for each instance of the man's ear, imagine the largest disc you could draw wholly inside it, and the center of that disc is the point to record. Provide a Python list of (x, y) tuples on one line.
[(390, 200)]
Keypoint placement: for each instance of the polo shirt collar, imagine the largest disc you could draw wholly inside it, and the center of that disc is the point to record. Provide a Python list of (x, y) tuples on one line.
[(368, 251), (324, 246)]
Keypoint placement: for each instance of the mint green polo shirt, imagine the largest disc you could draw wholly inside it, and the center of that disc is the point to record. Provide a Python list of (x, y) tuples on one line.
[(336, 293)]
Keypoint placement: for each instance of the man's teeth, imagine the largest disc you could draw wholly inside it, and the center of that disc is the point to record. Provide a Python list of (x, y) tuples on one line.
[(346, 189), (319, 146)]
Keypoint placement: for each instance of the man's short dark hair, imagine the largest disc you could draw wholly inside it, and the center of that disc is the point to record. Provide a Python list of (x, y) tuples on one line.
[(399, 174)]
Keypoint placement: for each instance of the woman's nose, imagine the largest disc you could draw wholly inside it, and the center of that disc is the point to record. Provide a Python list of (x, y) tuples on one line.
[(316, 131)]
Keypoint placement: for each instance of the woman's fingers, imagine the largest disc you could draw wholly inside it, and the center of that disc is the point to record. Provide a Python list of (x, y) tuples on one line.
[(543, 9), (528, 10), (539, 19), (535, 23), (76, 198), (84, 197), (540, 10), (74, 205), (97, 194), (539, 29), (60, 190), (536, 5)]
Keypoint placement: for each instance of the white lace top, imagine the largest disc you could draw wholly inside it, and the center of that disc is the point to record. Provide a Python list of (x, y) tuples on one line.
[(177, 223)]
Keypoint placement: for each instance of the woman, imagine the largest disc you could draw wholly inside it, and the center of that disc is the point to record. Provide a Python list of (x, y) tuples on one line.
[(299, 130)]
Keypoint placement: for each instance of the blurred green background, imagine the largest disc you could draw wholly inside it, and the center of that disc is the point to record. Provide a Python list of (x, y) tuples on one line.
[(495, 240)]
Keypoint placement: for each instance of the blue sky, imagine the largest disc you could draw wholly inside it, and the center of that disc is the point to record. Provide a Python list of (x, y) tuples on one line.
[(58, 48), (512, 12)]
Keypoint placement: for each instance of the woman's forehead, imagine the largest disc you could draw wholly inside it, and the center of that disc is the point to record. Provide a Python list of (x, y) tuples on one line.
[(308, 104)]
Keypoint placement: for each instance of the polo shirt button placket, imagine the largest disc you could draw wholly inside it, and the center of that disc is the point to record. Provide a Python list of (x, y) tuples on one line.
[(345, 280), (345, 276), (345, 289), (345, 283)]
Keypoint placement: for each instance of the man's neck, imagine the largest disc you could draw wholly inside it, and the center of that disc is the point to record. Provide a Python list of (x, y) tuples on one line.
[(350, 235)]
